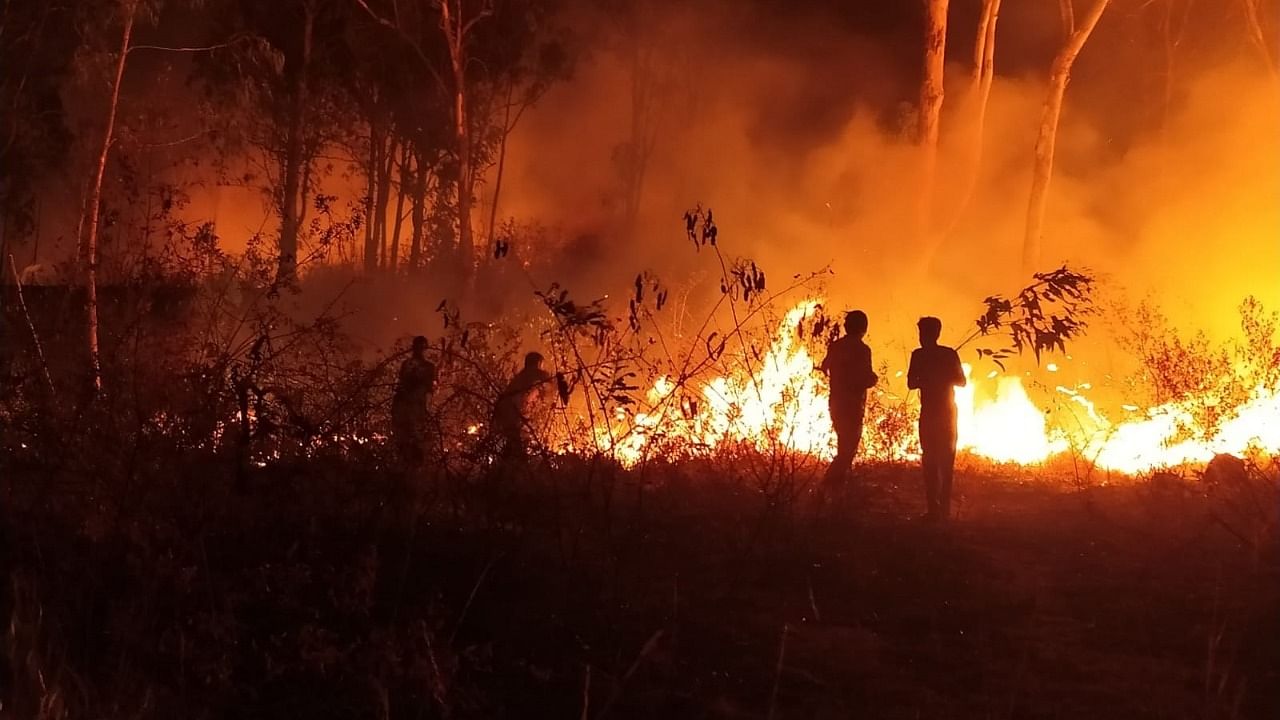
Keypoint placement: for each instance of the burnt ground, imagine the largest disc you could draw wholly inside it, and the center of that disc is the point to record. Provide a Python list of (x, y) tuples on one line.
[(692, 596)]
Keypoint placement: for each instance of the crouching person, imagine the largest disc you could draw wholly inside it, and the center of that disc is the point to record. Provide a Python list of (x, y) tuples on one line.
[(516, 403)]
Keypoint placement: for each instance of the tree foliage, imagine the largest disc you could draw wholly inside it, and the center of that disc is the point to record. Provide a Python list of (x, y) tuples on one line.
[(1041, 317)]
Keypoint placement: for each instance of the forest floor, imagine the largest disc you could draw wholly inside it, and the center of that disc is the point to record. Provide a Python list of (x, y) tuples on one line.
[(693, 597)]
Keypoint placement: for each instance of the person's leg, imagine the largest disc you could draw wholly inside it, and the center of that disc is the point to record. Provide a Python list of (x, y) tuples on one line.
[(838, 470), (400, 438), (946, 469), (512, 443), (855, 428), (929, 467)]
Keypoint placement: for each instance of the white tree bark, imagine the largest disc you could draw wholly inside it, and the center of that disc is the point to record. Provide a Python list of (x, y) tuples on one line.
[(931, 95), (128, 12), (982, 76), (1042, 173), (984, 70), (456, 29)]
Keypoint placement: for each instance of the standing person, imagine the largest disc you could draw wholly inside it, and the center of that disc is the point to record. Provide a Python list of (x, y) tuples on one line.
[(848, 365), (935, 371), (511, 411), (414, 383)]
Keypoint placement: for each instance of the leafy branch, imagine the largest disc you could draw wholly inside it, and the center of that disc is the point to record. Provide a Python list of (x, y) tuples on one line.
[(1042, 316)]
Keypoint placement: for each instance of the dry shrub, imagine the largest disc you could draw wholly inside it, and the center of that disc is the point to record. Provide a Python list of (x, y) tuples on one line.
[(1244, 497), (1210, 379)]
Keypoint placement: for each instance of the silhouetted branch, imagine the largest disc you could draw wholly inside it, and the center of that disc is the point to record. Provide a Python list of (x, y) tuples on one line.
[(1042, 316)]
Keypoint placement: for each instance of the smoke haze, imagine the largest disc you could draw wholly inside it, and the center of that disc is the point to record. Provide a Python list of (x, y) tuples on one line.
[(793, 120), (794, 128)]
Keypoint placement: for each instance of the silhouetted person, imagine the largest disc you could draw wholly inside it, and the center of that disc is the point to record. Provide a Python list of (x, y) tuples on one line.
[(935, 371), (848, 365), (511, 411), (414, 383)]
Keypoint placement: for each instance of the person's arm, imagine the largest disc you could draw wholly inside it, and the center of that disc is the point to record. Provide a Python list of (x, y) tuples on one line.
[(429, 373), (957, 371), (402, 376), (869, 375), (913, 371), (826, 361), (542, 385)]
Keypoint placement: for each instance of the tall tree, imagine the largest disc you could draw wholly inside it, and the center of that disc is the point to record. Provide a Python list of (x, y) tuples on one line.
[(931, 95), (457, 23), (646, 49), (529, 64), (281, 95), (475, 54), (505, 102), (128, 10), (454, 22), (981, 78), (381, 151), (379, 80), (1059, 76), (290, 197), (402, 186)]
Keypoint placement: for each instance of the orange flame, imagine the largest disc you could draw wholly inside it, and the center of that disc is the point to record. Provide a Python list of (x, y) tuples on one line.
[(782, 403)]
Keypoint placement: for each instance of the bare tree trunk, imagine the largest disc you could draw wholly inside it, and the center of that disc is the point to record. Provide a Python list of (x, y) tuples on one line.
[(640, 28), (931, 94), (401, 190), (1047, 139), (456, 29), (981, 78), (1067, 11), (378, 222), (384, 195), (419, 210), (370, 201), (502, 162), (1259, 37), (466, 245), (290, 219), (128, 10), (304, 192), (984, 71)]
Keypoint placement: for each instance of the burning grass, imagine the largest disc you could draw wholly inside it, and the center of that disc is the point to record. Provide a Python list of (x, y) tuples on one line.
[(224, 533)]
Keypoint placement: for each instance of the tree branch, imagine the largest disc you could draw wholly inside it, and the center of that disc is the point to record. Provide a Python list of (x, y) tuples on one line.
[(399, 30), (172, 143), (486, 12), (194, 49)]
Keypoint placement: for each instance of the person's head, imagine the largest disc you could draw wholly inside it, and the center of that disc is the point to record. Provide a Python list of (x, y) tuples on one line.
[(930, 331), (533, 360), (855, 323), (419, 345)]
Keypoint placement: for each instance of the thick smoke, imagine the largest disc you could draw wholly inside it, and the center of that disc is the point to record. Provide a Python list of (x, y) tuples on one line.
[(794, 126), (793, 122)]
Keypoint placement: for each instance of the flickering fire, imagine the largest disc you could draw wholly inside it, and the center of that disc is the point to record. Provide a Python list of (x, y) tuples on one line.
[(782, 402)]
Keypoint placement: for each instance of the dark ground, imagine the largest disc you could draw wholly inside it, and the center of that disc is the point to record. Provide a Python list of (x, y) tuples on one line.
[(693, 598)]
